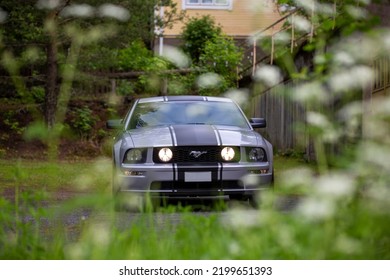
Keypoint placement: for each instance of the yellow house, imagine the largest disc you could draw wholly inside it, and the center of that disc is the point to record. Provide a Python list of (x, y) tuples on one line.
[(238, 18)]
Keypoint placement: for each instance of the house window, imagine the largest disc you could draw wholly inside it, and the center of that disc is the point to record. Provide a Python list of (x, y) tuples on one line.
[(208, 4)]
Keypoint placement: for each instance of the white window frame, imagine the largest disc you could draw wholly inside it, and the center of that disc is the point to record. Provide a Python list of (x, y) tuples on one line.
[(207, 6)]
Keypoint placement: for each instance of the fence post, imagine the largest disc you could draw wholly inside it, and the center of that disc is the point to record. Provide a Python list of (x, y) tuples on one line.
[(113, 86), (254, 58), (272, 46)]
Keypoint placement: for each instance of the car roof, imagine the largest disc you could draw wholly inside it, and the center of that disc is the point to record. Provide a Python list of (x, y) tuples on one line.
[(183, 98)]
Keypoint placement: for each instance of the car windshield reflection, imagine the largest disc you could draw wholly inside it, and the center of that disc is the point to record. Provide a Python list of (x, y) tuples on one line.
[(194, 113)]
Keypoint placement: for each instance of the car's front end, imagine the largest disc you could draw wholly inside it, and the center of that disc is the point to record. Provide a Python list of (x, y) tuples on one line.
[(192, 160)]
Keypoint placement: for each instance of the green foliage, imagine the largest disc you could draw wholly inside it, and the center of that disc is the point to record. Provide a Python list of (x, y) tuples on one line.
[(196, 33), (38, 94), (135, 57), (10, 120), (182, 84), (213, 52), (98, 57), (343, 225), (341, 211), (145, 18), (222, 56), (135, 34), (331, 21), (125, 87), (37, 131), (23, 25), (83, 121)]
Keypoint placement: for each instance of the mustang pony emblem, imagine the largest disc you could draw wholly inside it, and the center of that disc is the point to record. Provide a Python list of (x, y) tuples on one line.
[(197, 154)]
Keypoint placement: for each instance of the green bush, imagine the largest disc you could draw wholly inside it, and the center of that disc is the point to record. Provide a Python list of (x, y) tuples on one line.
[(83, 122), (125, 87), (38, 94), (135, 57), (196, 33)]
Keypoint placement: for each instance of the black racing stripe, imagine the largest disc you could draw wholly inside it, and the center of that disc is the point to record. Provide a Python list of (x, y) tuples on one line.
[(195, 135), (174, 172), (185, 98), (221, 172)]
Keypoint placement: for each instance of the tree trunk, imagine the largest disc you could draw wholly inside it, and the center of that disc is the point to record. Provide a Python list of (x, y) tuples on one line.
[(51, 94)]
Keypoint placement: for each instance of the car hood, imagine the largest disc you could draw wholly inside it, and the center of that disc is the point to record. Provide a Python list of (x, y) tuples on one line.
[(193, 135)]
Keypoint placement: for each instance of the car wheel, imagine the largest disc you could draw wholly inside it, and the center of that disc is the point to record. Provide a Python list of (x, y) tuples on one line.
[(254, 201)]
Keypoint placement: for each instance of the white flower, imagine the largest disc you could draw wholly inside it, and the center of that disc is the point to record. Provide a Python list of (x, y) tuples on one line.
[(176, 56), (310, 92), (386, 41), (297, 177), (208, 80), (347, 245), (351, 111), (239, 218), (234, 248), (99, 234), (269, 75), (356, 12), (250, 180), (316, 208), (343, 58), (376, 154), (240, 96), (357, 77), (335, 185), (282, 37), (318, 120), (325, 9), (78, 10), (114, 11), (301, 23), (307, 4), (48, 4)]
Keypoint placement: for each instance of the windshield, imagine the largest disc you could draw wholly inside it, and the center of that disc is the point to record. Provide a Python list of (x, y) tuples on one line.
[(185, 112)]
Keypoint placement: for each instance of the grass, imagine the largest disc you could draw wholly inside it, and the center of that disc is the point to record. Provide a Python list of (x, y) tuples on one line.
[(71, 174), (52, 175), (354, 227)]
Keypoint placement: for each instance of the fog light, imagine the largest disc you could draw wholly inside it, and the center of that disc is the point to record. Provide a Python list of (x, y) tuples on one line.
[(133, 173), (260, 171)]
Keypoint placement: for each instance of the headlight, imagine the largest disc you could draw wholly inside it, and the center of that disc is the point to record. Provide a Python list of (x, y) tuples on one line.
[(227, 153), (135, 156), (256, 154), (165, 154)]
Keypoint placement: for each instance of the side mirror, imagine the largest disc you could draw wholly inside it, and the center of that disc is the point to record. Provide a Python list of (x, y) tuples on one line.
[(258, 122), (114, 124)]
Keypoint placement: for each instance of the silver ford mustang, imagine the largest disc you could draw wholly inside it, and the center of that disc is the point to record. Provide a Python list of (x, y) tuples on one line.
[(188, 147)]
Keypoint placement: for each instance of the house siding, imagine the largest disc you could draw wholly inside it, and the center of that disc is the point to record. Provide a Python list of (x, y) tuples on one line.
[(245, 18)]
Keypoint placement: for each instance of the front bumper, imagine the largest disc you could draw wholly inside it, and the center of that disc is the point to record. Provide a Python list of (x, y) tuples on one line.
[(202, 180)]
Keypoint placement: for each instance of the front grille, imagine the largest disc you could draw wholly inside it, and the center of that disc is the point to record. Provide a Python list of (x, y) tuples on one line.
[(196, 154), (196, 188)]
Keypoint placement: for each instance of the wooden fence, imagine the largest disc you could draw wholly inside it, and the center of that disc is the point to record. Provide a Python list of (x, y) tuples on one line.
[(285, 118), (381, 84)]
